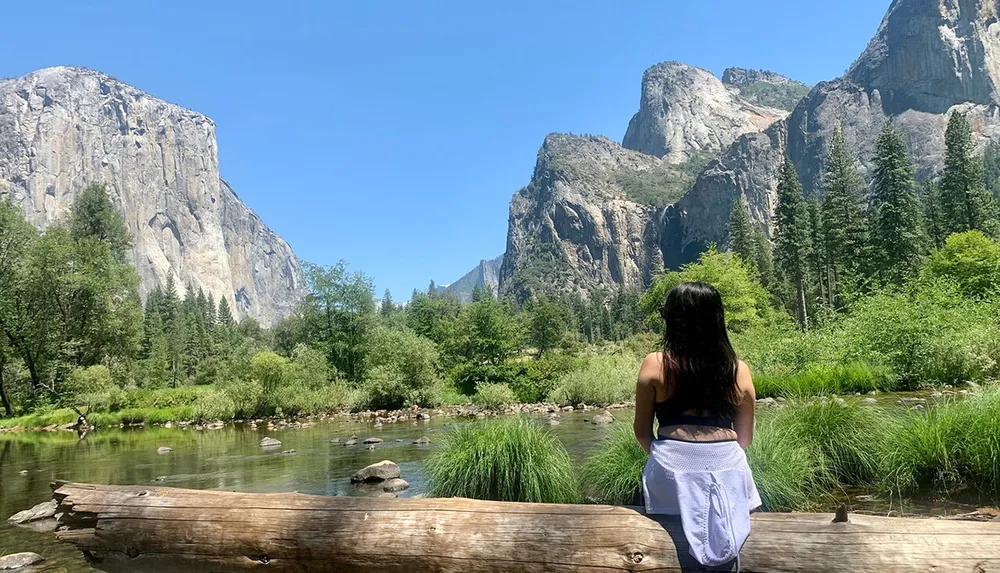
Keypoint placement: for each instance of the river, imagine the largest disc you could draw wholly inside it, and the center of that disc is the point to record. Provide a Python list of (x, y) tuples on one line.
[(224, 459)]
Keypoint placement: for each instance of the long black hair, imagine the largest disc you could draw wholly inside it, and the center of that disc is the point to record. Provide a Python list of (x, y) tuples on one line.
[(698, 358)]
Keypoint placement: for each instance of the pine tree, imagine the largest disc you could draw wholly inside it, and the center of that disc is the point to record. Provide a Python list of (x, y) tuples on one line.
[(817, 256), (740, 231), (964, 200), (225, 319), (388, 306), (845, 229), (991, 169), (763, 259), (933, 222), (897, 234), (791, 251)]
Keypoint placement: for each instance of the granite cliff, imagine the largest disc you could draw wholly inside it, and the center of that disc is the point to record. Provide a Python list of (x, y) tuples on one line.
[(62, 128), (929, 58)]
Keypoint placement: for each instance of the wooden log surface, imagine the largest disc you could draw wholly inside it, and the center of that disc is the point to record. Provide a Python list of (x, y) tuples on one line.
[(133, 528)]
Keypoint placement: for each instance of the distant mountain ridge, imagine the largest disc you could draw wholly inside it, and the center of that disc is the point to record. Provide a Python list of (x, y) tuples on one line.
[(485, 275), (596, 214)]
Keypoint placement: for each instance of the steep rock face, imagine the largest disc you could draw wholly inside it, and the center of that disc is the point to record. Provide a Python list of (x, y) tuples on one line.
[(929, 58), (929, 55), (62, 128), (686, 112), (486, 275), (750, 169), (574, 227)]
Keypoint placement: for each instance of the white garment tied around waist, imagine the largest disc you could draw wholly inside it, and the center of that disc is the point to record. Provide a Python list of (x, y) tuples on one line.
[(709, 484)]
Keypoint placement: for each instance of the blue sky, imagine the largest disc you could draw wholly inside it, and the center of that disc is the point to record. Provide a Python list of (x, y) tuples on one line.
[(392, 134)]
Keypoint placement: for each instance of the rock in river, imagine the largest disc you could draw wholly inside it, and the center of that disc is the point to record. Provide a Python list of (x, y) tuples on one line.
[(164, 450), (269, 443), (394, 485), (384, 470), (602, 419), (422, 441), (372, 441), (19, 560), (44, 510)]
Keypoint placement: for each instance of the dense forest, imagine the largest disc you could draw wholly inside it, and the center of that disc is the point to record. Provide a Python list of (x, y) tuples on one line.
[(892, 285)]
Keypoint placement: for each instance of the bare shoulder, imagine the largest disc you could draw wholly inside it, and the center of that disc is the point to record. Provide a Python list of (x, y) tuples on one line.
[(743, 379), (651, 368)]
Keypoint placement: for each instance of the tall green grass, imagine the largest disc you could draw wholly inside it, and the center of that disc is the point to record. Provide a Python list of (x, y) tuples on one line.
[(952, 446), (613, 474), (507, 459), (824, 379), (790, 472)]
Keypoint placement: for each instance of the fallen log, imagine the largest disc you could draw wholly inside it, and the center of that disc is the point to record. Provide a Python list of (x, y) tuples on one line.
[(130, 528)]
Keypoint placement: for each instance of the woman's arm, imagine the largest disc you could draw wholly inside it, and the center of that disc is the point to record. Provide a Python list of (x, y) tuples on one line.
[(645, 400), (743, 424)]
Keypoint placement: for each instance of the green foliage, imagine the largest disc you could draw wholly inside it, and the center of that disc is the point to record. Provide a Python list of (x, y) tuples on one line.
[(88, 387), (950, 447), (740, 231), (95, 218), (792, 241), (663, 187), (930, 335), (971, 261), (602, 381), (780, 95), (898, 238), (494, 396), (845, 226), (548, 324), (338, 315), (510, 459), (745, 300), (613, 474), (965, 203), (486, 332), (787, 470), (825, 379)]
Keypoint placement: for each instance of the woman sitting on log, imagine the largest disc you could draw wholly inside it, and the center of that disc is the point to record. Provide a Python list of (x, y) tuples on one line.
[(703, 399)]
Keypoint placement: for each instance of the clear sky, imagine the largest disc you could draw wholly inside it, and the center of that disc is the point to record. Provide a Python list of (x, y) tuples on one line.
[(392, 134)]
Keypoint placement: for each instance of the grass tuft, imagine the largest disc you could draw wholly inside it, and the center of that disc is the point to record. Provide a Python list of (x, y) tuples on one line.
[(613, 474), (508, 459)]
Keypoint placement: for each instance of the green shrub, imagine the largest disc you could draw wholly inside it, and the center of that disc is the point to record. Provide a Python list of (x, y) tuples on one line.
[(602, 381), (971, 261), (467, 377), (613, 474), (494, 396), (296, 400), (214, 405), (747, 303), (90, 388), (505, 459), (309, 368), (247, 397), (385, 389)]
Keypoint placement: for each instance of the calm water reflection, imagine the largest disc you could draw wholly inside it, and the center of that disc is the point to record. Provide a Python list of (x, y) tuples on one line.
[(226, 459)]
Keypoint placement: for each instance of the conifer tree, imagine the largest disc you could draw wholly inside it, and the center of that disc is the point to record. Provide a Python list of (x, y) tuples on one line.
[(897, 234), (933, 222), (964, 200), (388, 306), (225, 314), (740, 231), (817, 256), (764, 259), (792, 244), (845, 229)]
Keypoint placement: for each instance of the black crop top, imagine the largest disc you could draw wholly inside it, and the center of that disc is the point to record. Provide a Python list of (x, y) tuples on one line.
[(671, 413)]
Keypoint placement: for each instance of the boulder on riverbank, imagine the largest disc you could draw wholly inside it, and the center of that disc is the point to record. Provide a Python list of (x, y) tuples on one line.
[(44, 510), (382, 471), (19, 561)]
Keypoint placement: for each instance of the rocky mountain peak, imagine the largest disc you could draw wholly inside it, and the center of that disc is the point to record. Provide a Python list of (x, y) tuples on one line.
[(62, 128), (686, 113), (929, 55)]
